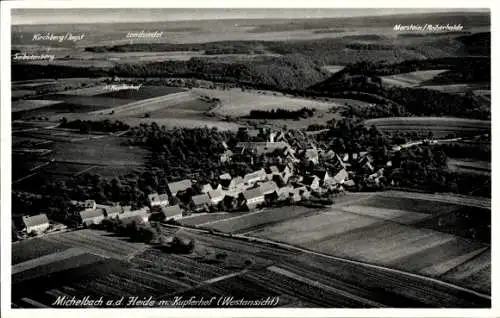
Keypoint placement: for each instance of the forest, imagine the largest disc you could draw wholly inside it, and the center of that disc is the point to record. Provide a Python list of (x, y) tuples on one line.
[(281, 113)]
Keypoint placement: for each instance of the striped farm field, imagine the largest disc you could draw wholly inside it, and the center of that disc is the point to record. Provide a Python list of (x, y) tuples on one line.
[(409, 204), (411, 79), (26, 105), (34, 248), (99, 243), (440, 126), (398, 216), (475, 273), (418, 235), (258, 219), (46, 259)]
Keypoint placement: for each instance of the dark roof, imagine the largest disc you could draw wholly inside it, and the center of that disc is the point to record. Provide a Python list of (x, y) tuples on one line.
[(170, 211), (179, 186), (308, 180), (35, 220), (201, 199), (89, 214), (320, 173)]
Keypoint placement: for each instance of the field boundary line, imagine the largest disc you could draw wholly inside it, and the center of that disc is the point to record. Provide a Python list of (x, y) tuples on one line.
[(452, 199), (235, 217), (469, 260), (360, 263)]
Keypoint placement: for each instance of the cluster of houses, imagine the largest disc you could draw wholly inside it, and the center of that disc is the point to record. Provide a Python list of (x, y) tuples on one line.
[(277, 181)]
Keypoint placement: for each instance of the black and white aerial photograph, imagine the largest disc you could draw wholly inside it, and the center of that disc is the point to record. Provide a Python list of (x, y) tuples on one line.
[(264, 158)]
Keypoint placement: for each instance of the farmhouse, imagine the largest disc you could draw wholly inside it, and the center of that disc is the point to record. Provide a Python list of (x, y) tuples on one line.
[(312, 182), (253, 177), (112, 211), (157, 200), (268, 187), (216, 195), (173, 212), (253, 197), (206, 188), (232, 199), (179, 186), (36, 224), (263, 148), (201, 202), (233, 184), (139, 216), (90, 217)]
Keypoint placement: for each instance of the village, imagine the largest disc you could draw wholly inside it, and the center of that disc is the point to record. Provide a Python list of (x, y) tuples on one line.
[(277, 183)]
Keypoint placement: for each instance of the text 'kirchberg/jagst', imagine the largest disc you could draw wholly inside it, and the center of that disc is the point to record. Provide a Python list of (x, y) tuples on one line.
[(58, 37)]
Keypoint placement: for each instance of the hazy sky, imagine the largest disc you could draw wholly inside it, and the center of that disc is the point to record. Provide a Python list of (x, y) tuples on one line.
[(63, 16)]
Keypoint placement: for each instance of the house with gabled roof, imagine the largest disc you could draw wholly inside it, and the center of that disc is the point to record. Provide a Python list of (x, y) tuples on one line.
[(173, 212), (216, 196), (179, 186), (201, 202), (253, 197), (157, 200), (253, 177), (235, 183), (140, 216), (112, 212), (268, 187), (36, 224), (90, 217)]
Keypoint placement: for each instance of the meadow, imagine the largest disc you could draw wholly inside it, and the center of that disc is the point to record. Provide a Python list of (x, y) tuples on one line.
[(412, 78)]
